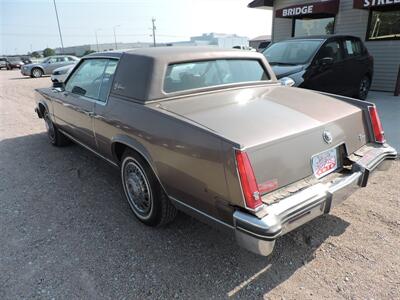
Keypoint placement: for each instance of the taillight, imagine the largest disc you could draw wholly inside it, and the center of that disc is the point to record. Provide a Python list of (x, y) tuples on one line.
[(248, 181), (376, 124)]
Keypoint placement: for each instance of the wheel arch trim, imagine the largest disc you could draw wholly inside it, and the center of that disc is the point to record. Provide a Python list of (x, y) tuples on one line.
[(140, 149)]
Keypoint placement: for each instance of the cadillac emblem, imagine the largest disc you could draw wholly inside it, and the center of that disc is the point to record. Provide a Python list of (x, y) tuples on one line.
[(327, 136)]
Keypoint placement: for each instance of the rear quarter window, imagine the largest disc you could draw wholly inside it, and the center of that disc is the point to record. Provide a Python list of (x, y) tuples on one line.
[(353, 47), (203, 74)]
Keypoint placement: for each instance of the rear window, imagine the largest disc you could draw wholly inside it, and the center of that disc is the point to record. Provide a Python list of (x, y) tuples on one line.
[(203, 74)]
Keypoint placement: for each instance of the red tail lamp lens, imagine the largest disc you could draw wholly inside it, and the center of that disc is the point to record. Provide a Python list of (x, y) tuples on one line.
[(248, 181), (376, 125)]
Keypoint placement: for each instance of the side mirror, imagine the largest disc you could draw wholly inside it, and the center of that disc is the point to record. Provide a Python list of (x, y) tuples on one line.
[(78, 90), (58, 85), (326, 61), (287, 81)]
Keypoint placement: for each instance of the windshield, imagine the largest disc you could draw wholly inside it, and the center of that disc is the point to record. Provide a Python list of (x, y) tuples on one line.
[(202, 74), (294, 52)]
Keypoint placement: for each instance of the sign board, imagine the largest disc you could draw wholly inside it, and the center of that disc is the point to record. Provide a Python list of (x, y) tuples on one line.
[(374, 3), (330, 7)]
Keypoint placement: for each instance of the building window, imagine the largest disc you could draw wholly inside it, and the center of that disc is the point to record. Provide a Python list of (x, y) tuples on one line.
[(384, 25), (306, 27)]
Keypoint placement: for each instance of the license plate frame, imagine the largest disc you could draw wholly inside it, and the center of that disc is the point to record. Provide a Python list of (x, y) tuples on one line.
[(325, 162)]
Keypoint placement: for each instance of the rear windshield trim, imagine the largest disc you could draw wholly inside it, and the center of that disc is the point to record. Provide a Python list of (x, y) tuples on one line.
[(218, 86)]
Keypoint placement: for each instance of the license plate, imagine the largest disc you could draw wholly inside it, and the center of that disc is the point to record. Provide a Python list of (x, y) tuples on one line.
[(324, 163)]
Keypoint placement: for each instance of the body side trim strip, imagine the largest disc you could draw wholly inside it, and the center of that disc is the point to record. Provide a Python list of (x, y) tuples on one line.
[(88, 148)]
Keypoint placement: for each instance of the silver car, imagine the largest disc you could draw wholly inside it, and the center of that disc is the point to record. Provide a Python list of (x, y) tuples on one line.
[(60, 74), (47, 66)]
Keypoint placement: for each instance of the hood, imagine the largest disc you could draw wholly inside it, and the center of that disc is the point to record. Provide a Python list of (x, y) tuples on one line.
[(65, 68), (256, 115), (283, 71)]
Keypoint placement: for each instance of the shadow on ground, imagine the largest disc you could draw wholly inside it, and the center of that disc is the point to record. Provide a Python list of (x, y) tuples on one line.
[(26, 77), (66, 230)]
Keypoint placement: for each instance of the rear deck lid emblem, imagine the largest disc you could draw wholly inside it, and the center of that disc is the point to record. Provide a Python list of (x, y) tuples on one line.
[(327, 136)]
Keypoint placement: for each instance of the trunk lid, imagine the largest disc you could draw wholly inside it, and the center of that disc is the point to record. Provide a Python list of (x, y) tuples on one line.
[(280, 128)]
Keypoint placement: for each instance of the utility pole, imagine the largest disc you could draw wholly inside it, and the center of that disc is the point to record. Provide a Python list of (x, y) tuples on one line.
[(59, 28), (153, 20), (97, 40), (115, 36)]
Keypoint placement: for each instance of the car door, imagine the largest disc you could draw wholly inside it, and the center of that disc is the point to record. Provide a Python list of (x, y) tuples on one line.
[(356, 64), (52, 64), (101, 110), (75, 111), (326, 71)]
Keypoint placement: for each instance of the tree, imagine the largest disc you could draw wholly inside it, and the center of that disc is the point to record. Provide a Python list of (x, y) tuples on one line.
[(329, 27), (35, 54), (88, 52), (48, 52)]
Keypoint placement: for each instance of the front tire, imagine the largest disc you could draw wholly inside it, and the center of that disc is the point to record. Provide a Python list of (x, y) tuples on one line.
[(363, 88), (55, 136), (36, 73), (144, 193)]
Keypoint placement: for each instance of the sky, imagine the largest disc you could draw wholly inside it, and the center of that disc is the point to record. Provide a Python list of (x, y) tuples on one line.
[(27, 25)]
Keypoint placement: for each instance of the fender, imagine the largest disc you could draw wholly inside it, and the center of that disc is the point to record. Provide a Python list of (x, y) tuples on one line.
[(138, 147), (131, 143), (38, 110)]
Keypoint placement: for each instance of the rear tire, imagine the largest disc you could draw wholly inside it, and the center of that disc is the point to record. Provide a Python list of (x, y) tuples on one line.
[(143, 191), (364, 87), (36, 73), (55, 136)]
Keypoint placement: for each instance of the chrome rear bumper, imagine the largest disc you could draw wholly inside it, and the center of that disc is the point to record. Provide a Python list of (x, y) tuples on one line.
[(259, 235)]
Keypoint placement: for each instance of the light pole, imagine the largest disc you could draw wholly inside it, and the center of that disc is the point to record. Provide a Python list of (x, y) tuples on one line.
[(153, 20), (115, 36), (97, 41), (59, 28)]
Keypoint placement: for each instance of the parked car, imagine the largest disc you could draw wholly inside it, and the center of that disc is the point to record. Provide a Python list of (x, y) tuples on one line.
[(3, 63), (47, 66), (60, 74), (334, 64), (243, 47), (26, 60), (213, 133), (10, 63)]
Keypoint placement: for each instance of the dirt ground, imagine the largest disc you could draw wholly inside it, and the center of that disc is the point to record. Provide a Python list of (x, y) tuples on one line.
[(66, 232)]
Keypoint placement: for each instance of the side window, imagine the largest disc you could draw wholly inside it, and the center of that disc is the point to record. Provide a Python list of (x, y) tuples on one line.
[(71, 58), (87, 79), (352, 47), (331, 49), (60, 59), (52, 60), (107, 79)]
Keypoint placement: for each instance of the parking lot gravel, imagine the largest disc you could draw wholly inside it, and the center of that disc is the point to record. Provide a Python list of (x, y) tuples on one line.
[(66, 232)]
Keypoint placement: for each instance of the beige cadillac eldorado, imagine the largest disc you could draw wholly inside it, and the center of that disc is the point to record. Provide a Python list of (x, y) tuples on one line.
[(212, 133)]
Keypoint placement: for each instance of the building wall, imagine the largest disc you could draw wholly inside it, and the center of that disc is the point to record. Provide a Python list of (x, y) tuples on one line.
[(353, 22)]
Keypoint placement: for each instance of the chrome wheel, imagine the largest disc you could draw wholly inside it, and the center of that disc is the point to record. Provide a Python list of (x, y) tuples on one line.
[(137, 188), (364, 88), (37, 73), (49, 127)]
